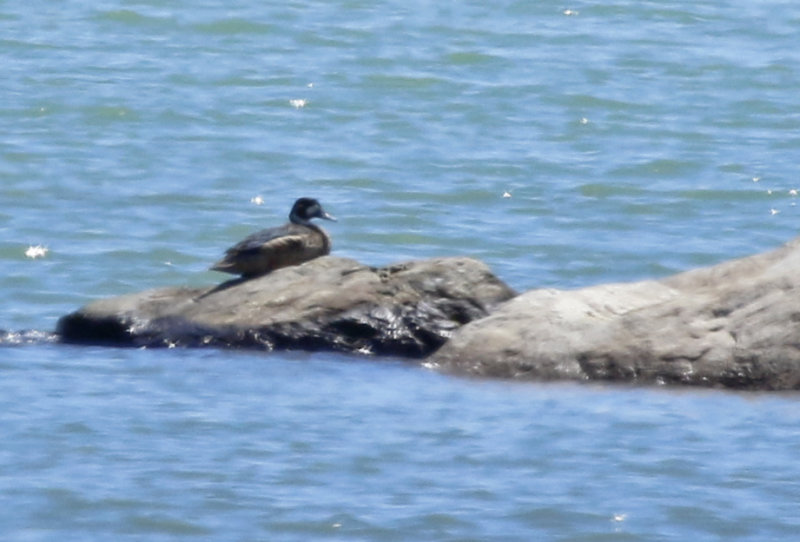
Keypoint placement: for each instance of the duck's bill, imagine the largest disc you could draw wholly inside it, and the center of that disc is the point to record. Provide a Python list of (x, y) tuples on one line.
[(326, 216)]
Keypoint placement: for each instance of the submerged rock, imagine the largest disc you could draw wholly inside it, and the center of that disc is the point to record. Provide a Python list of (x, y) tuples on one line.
[(329, 303), (734, 325)]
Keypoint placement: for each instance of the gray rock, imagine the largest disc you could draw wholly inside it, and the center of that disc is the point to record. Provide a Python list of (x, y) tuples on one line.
[(329, 303), (734, 325)]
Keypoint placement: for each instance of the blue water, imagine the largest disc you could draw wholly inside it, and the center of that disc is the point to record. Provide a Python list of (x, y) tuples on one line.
[(565, 145)]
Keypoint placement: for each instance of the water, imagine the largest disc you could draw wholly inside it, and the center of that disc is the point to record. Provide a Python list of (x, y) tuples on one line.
[(172, 444), (633, 140)]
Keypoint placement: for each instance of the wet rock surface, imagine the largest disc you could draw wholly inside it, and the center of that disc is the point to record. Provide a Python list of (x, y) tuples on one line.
[(330, 303)]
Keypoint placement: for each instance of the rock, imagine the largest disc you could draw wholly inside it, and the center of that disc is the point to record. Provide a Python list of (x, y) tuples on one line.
[(329, 303), (734, 325)]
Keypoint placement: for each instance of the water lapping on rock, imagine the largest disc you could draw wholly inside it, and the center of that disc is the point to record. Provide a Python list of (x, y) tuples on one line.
[(28, 336)]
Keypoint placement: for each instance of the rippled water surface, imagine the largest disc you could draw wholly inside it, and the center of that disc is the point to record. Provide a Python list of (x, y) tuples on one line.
[(565, 145)]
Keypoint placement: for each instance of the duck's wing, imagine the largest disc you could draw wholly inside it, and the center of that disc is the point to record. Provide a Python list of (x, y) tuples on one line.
[(267, 250), (281, 238)]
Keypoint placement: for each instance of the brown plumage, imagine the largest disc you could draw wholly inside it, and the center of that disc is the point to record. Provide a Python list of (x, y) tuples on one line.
[(291, 244)]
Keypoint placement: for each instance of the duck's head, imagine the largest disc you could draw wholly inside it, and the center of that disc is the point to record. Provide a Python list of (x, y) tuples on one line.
[(304, 209)]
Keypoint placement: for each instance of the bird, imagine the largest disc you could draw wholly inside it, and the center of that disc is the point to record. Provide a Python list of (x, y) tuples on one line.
[(291, 244)]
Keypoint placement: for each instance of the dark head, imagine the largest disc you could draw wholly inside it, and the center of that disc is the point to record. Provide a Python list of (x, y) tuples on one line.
[(305, 209)]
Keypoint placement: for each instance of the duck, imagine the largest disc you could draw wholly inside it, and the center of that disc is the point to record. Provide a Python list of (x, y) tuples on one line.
[(293, 243)]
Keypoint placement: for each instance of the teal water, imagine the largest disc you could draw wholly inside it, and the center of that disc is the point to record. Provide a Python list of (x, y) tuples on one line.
[(565, 145)]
